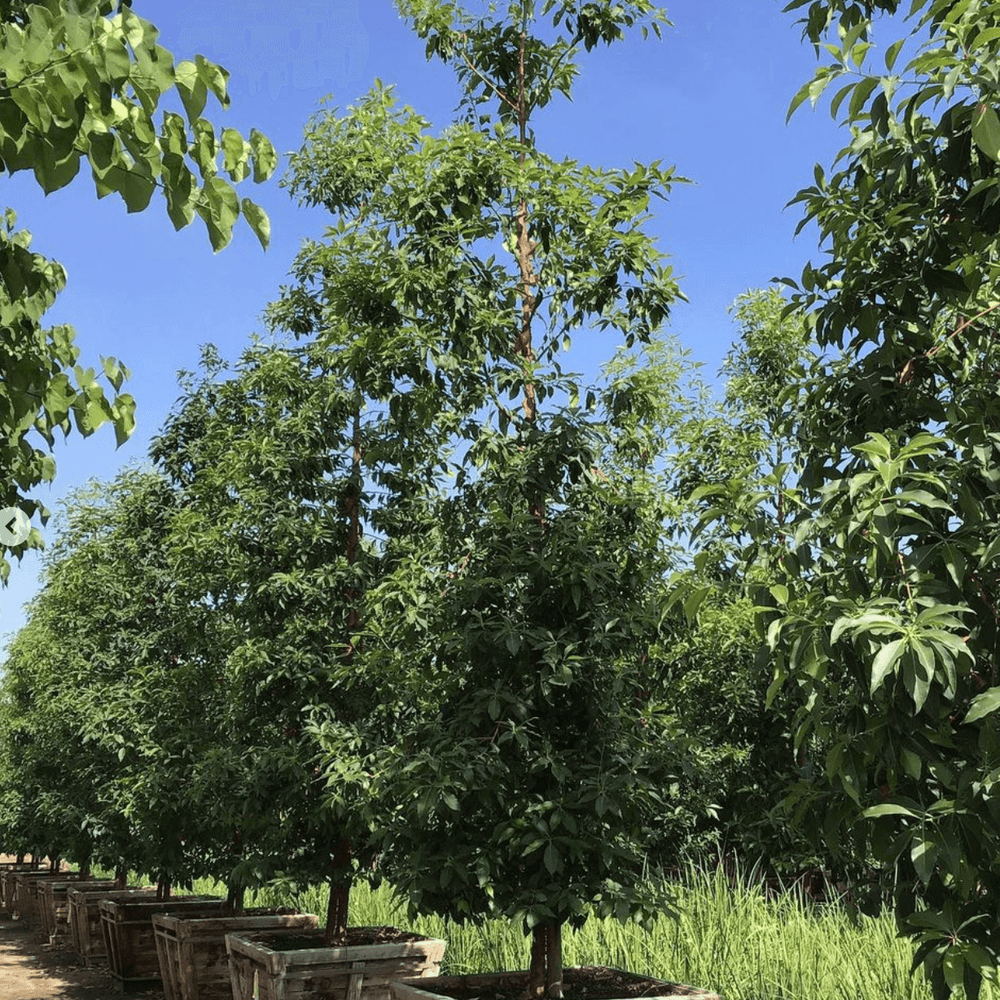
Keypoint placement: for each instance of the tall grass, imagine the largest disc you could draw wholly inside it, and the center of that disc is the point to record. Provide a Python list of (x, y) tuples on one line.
[(728, 939)]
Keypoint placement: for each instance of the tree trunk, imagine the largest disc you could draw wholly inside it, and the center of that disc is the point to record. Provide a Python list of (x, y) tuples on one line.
[(20, 859), (340, 896), (545, 974), (234, 898), (121, 876), (162, 889), (54, 864)]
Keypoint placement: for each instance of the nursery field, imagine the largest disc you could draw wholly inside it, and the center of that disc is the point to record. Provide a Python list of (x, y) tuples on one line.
[(729, 939)]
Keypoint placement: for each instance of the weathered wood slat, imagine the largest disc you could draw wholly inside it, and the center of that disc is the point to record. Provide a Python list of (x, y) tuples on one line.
[(358, 972), (436, 987), (194, 961), (54, 904), (85, 918), (129, 938)]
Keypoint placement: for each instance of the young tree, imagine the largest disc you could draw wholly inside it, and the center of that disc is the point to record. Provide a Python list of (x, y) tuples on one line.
[(78, 85), (267, 464), (440, 333), (881, 597), (129, 666)]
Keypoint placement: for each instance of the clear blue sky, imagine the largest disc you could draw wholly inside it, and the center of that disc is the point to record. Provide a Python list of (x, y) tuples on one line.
[(710, 98)]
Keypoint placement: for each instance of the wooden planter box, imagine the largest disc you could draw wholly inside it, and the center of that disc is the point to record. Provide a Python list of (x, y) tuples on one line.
[(85, 918), (194, 961), (437, 988), (359, 972), (53, 903), (26, 893), (8, 870), (129, 940)]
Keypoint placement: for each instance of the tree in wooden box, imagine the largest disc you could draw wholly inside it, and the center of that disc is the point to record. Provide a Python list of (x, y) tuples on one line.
[(269, 463), (513, 604)]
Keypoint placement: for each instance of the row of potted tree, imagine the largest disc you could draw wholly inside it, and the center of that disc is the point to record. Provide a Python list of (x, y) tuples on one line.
[(384, 606)]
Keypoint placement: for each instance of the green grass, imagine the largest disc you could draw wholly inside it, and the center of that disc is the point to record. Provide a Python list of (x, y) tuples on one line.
[(732, 941)]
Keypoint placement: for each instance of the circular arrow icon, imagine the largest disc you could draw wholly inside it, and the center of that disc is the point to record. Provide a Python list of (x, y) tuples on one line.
[(15, 526)]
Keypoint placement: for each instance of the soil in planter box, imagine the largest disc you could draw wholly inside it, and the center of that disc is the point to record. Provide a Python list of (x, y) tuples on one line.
[(588, 983), (355, 936)]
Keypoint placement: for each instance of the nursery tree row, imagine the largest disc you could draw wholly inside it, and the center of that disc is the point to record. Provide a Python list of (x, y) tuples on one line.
[(402, 597)]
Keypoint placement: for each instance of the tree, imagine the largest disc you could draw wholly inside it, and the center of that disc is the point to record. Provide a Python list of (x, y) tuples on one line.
[(79, 86), (269, 536), (879, 602), (126, 662), (544, 552)]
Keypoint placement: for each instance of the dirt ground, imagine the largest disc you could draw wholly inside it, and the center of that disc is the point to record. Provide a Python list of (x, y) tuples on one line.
[(31, 969)]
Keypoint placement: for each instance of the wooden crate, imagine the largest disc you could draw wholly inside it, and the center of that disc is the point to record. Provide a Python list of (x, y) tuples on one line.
[(25, 893), (194, 961), (7, 872), (54, 903), (361, 972), (436, 988), (129, 939), (85, 918)]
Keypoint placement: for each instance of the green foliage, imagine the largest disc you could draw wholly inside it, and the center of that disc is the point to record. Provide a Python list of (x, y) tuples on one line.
[(80, 82), (878, 602), (44, 388), (111, 677), (263, 463), (532, 797), (530, 790)]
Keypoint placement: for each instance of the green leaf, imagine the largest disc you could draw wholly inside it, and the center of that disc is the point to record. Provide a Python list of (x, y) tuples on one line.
[(983, 704), (862, 92), (888, 809), (191, 87), (923, 855), (886, 658), (551, 859), (235, 154), (258, 221), (214, 78), (891, 53), (986, 131), (265, 158)]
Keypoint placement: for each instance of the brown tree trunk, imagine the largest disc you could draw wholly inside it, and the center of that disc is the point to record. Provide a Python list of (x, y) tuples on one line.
[(340, 896), (162, 889), (121, 876), (54, 864), (545, 973), (20, 859), (234, 898)]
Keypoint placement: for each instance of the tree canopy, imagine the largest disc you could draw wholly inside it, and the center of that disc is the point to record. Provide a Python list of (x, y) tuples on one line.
[(80, 83)]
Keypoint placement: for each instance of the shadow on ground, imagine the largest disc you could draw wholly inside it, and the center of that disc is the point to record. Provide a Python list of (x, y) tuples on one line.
[(33, 970)]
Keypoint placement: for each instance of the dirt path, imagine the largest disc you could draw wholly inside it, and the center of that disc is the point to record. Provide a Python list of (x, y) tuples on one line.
[(30, 970), (33, 970)]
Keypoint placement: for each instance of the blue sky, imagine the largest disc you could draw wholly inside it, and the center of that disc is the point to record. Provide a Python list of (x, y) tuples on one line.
[(710, 99)]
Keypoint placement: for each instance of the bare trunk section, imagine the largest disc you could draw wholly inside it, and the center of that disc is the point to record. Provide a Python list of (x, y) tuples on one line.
[(162, 889), (545, 973), (234, 898), (340, 896), (121, 876), (354, 525)]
